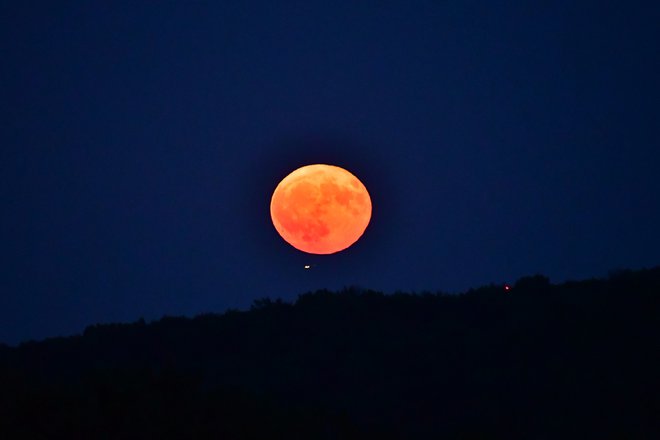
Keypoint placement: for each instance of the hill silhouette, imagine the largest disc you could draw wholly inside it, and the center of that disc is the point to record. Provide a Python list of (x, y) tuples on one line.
[(536, 361)]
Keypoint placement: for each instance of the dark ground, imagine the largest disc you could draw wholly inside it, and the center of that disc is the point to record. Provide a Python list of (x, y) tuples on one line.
[(540, 361)]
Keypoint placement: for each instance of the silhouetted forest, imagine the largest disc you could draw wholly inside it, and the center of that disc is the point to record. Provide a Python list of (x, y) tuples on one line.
[(536, 361)]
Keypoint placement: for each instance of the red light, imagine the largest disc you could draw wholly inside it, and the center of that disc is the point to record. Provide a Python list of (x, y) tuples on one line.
[(507, 287)]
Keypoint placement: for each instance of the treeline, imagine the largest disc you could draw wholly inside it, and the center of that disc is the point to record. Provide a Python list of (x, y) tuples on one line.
[(536, 360)]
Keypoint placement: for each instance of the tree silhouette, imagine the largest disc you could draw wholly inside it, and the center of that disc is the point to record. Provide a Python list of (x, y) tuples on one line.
[(573, 360)]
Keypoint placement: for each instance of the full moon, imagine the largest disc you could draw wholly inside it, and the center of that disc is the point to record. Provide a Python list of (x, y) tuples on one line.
[(320, 209)]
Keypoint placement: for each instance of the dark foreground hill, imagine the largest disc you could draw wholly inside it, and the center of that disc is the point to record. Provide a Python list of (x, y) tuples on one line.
[(538, 361)]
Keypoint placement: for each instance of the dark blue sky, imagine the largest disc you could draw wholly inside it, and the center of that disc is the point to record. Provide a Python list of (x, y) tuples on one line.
[(140, 145)]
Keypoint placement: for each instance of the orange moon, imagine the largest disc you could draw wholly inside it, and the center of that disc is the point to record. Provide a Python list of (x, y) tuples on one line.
[(320, 209)]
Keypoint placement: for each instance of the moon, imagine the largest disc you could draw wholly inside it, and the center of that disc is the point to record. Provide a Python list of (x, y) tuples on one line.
[(320, 209)]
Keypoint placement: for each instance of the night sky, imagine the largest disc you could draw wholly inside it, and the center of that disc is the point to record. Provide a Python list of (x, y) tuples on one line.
[(140, 143)]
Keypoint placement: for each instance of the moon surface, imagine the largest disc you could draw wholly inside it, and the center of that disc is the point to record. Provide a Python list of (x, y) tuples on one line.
[(320, 209)]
